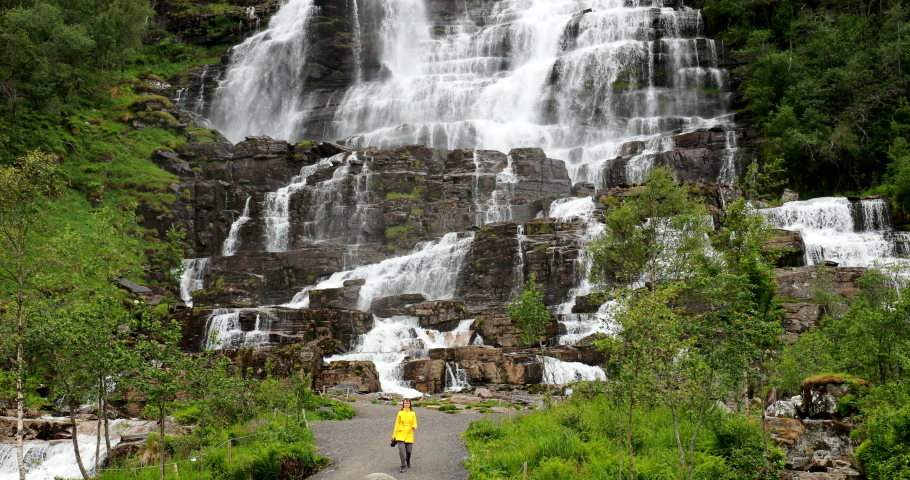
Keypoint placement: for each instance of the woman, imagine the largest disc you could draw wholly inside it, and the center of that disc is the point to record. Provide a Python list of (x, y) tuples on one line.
[(405, 424)]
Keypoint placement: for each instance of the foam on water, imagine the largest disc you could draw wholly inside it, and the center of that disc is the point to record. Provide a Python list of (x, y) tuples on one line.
[(392, 340), (431, 269), (851, 233)]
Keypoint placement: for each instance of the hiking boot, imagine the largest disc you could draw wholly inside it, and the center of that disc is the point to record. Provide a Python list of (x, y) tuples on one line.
[(403, 469)]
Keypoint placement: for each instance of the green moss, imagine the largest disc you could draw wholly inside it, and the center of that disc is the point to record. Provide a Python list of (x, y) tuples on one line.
[(396, 233), (416, 210)]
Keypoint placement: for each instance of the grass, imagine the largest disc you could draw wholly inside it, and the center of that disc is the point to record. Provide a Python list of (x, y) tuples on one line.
[(581, 440)]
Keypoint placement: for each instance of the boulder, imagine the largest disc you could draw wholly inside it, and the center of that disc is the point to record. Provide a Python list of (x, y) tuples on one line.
[(465, 400), (820, 394), (799, 317), (386, 307), (359, 373), (789, 246), (426, 374), (36, 429), (442, 315), (134, 287), (796, 282)]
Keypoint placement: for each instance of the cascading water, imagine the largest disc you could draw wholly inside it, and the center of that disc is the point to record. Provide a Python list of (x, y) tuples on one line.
[(578, 326), (851, 233), (277, 204), (432, 269), (558, 372), (223, 329), (57, 459), (261, 93), (728, 172), (499, 205), (392, 340), (192, 278), (233, 241), (539, 73), (579, 78)]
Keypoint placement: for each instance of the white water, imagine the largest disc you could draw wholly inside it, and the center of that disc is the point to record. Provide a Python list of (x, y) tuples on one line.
[(535, 73), (233, 241), (853, 234), (385, 343), (558, 372), (518, 81), (261, 93), (432, 269), (57, 459), (499, 205), (578, 326), (277, 205), (728, 173), (223, 329), (192, 278)]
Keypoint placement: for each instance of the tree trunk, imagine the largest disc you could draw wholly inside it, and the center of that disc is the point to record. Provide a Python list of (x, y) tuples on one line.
[(679, 445), (98, 440), (20, 372), (629, 436), (107, 424), (701, 417), (76, 443), (161, 438)]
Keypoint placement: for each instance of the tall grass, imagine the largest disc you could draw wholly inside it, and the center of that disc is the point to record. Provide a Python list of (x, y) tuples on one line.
[(580, 440)]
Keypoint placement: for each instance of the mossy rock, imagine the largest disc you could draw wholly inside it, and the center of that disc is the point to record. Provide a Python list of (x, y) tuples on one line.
[(153, 119), (153, 102), (820, 380)]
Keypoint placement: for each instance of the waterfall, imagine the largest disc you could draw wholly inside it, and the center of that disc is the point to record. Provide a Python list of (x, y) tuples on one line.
[(538, 73), (578, 78), (391, 341), (456, 380), (851, 233), (192, 278), (262, 89), (233, 241), (431, 269), (223, 329), (499, 205), (727, 175), (558, 372), (520, 265), (53, 460), (277, 205), (578, 326)]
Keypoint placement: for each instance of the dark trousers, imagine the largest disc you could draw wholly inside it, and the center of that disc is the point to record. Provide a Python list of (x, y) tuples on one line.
[(404, 452)]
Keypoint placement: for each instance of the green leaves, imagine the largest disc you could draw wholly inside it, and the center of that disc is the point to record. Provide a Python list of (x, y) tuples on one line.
[(655, 236), (528, 313)]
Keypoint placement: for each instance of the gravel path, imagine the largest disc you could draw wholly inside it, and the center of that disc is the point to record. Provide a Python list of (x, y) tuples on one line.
[(360, 446)]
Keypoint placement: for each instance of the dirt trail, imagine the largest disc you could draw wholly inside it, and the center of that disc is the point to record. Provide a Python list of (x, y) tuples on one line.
[(360, 446)]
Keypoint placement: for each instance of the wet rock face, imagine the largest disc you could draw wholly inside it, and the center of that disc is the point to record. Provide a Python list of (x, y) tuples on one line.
[(790, 246), (282, 326), (281, 361), (796, 282), (396, 198), (698, 157)]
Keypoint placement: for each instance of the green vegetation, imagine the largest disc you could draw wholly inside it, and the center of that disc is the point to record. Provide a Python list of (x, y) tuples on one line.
[(869, 340), (828, 85), (581, 440)]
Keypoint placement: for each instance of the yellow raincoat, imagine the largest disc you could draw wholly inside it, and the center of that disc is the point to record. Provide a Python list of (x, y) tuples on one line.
[(405, 423)]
